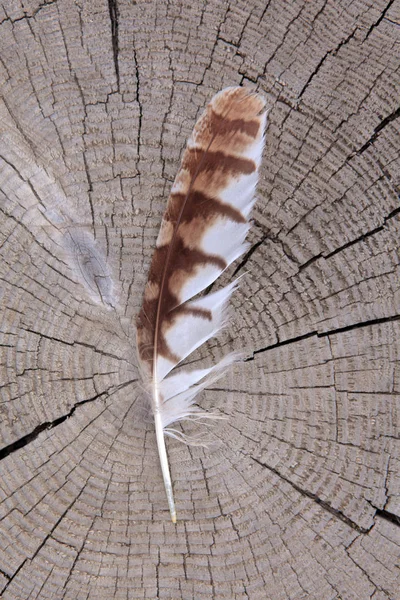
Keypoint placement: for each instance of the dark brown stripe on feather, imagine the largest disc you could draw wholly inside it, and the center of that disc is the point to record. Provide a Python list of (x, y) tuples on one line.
[(195, 312), (226, 125), (199, 204), (198, 161)]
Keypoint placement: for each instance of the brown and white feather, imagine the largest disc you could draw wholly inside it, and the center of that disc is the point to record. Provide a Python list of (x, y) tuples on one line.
[(201, 234)]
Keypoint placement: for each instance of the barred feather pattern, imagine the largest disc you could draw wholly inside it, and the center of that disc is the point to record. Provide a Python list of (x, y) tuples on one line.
[(203, 231)]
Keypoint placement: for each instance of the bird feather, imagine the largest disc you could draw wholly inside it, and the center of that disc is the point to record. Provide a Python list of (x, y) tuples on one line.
[(203, 231)]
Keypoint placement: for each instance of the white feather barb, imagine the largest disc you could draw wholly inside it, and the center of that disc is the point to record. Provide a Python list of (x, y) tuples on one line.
[(203, 231)]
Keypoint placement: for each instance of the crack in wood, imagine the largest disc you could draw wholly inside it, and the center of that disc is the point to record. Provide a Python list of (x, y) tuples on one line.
[(139, 103), (114, 17), (74, 343), (380, 19), (27, 16), (46, 538), (315, 258), (4, 574), (357, 240), (30, 437), (334, 511), (388, 516), (249, 254), (393, 115), (12, 577), (332, 52), (361, 568), (323, 334)]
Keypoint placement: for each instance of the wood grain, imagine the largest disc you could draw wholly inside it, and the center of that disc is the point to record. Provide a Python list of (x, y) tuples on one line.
[(299, 495)]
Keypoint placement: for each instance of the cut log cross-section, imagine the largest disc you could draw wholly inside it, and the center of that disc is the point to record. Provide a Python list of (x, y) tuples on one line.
[(298, 495)]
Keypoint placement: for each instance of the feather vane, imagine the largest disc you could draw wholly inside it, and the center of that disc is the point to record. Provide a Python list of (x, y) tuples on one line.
[(202, 232)]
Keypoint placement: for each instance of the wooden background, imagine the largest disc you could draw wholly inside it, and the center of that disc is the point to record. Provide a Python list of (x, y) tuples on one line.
[(299, 494)]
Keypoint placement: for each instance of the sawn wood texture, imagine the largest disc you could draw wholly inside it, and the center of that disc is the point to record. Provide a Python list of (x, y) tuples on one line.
[(298, 497)]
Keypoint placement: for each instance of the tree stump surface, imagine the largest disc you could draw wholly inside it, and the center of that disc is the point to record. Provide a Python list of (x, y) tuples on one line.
[(299, 494)]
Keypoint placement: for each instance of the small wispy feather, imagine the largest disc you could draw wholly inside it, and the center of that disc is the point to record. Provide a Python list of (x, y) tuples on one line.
[(31, 184), (89, 264), (202, 233)]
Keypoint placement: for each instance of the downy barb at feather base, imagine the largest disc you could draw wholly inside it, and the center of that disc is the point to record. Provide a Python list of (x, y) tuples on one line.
[(202, 233)]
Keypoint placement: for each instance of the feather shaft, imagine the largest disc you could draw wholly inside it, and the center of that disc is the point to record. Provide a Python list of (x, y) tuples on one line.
[(162, 452)]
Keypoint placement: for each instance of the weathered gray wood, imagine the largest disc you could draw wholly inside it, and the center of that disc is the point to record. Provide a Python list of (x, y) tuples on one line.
[(299, 495)]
